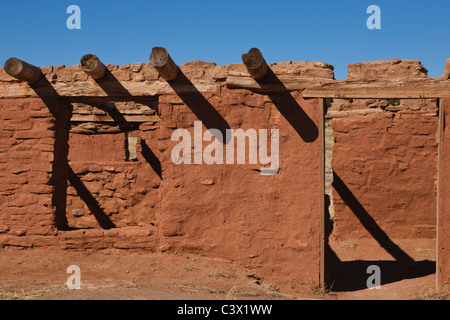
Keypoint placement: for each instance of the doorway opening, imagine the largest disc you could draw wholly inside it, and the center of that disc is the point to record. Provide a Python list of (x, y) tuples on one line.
[(381, 170)]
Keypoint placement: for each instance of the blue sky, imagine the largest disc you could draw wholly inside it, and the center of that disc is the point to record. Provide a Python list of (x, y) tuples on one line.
[(332, 31)]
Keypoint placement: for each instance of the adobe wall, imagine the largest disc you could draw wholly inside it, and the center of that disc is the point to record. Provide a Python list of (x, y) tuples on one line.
[(383, 176), (27, 141), (267, 222), (98, 173), (443, 262), (104, 177), (385, 167)]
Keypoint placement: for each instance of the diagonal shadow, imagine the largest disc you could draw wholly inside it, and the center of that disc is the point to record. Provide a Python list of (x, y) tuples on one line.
[(114, 113), (353, 276), (368, 222), (93, 205), (151, 158), (289, 108), (113, 87), (200, 106), (61, 110), (342, 276)]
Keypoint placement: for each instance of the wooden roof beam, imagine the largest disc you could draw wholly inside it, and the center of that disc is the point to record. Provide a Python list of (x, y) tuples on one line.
[(92, 65), (255, 63), (22, 71), (163, 63)]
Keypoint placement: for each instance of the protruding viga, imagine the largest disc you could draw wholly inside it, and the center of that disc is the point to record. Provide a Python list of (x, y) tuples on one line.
[(23, 71), (163, 63), (92, 65), (255, 63)]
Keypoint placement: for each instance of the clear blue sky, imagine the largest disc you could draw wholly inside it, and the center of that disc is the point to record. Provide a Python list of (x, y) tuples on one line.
[(332, 31)]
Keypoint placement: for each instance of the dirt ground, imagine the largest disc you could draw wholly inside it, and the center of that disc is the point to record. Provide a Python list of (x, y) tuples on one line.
[(117, 275)]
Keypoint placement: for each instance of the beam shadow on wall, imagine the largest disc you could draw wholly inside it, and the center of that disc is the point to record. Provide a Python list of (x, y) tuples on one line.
[(61, 110), (103, 220), (200, 106), (290, 109), (367, 221), (115, 91), (151, 158), (113, 87), (352, 275)]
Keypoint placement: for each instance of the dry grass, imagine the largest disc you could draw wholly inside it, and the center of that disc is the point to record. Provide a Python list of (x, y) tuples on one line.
[(255, 288), (252, 275), (243, 291), (347, 244), (429, 254), (217, 273), (265, 285), (268, 286), (32, 294), (317, 289), (212, 290), (432, 294), (189, 268)]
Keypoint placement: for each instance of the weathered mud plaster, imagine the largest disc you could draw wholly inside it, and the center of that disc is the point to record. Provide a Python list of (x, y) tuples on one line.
[(86, 164)]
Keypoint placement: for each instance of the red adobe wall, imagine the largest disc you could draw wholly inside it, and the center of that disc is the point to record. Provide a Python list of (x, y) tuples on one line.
[(270, 223), (388, 161), (71, 184), (443, 262), (122, 192), (27, 139)]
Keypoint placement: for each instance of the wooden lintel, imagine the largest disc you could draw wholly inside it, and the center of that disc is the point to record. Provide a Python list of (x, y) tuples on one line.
[(82, 90), (349, 113), (383, 89), (280, 83), (22, 71), (405, 88), (108, 118)]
